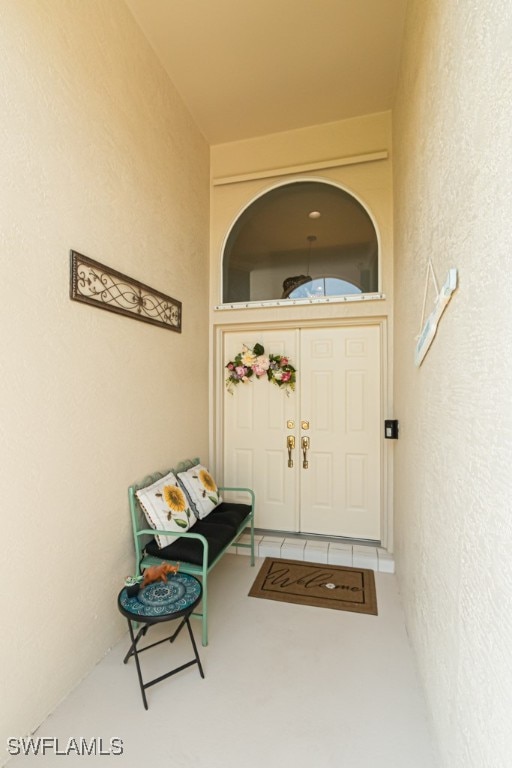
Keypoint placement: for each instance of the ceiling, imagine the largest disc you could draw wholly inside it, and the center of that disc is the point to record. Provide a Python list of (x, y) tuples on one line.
[(247, 68)]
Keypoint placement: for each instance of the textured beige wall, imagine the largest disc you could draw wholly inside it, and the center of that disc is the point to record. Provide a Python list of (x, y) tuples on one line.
[(341, 138), (98, 154), (453, 166)]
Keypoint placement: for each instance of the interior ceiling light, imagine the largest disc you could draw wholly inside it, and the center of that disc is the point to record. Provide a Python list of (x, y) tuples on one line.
[(314, 214), (291, 283)]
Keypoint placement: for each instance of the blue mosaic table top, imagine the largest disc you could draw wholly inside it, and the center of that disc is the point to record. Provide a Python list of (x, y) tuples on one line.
[(162, 599)]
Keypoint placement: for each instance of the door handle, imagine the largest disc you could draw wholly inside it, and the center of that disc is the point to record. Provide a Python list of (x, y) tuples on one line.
[(305, 448), (290, 444)]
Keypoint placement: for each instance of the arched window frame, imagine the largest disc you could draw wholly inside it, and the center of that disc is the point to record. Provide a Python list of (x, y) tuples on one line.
[(377, 295)]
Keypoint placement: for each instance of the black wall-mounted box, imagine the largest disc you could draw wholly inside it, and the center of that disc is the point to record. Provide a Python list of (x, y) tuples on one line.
[(391, 429)]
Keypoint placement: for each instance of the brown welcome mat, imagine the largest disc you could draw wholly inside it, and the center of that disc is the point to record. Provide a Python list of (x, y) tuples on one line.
[(325, 586)]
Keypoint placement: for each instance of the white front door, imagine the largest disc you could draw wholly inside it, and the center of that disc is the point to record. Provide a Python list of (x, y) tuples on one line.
[(334, 485), (255, 418)]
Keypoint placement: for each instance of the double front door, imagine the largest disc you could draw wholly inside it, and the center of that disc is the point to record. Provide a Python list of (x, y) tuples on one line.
[(313, 457)]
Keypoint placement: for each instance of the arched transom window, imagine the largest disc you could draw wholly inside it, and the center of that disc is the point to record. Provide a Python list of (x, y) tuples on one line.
[(302, 240)]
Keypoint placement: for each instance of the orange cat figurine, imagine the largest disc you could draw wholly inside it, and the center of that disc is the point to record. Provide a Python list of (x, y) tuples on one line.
[(158, 573)]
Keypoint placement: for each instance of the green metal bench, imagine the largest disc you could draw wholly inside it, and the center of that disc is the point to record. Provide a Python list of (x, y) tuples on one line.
[(196, 551)]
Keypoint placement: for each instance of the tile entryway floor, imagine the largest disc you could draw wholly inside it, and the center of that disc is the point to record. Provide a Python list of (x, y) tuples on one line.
[(285, 685), (316, 550)]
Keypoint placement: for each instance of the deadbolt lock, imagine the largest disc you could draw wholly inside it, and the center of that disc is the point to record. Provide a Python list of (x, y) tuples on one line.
[(290, 424), (304, 424)]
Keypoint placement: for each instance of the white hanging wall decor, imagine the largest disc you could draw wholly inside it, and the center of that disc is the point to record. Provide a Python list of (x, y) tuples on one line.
[(428, 330)]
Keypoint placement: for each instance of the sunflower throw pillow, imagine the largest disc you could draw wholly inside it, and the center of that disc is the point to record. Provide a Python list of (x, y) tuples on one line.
[(166, 507), (201, 489)]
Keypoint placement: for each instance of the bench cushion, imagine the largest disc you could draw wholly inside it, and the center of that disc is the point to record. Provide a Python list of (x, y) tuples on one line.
[(219, 529), (229, 513), (189, 550)]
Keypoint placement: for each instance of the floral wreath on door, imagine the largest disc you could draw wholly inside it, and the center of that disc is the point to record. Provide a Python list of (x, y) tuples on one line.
[(254, 362)]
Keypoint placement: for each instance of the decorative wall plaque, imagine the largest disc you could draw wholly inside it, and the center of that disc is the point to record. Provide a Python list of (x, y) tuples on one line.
[(98, 285), (429, 329)]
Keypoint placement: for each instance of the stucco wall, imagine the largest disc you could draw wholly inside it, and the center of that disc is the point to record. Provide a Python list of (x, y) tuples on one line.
[(97, 154), (453, 198)]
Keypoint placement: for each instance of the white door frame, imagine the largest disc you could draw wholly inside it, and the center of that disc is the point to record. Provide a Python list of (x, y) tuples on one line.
[(218, 383)]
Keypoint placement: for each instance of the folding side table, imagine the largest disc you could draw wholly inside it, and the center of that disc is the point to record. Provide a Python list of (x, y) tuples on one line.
[(158, 602)]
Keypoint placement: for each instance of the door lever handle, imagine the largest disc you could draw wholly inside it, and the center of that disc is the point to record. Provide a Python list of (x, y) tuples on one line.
[(290, 444), (305, 448)]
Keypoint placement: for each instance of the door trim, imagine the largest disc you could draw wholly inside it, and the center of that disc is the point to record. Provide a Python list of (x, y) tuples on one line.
[(217, 388)]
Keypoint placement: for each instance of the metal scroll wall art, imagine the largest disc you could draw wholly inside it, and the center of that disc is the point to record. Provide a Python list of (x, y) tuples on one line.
[(98, 285)]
